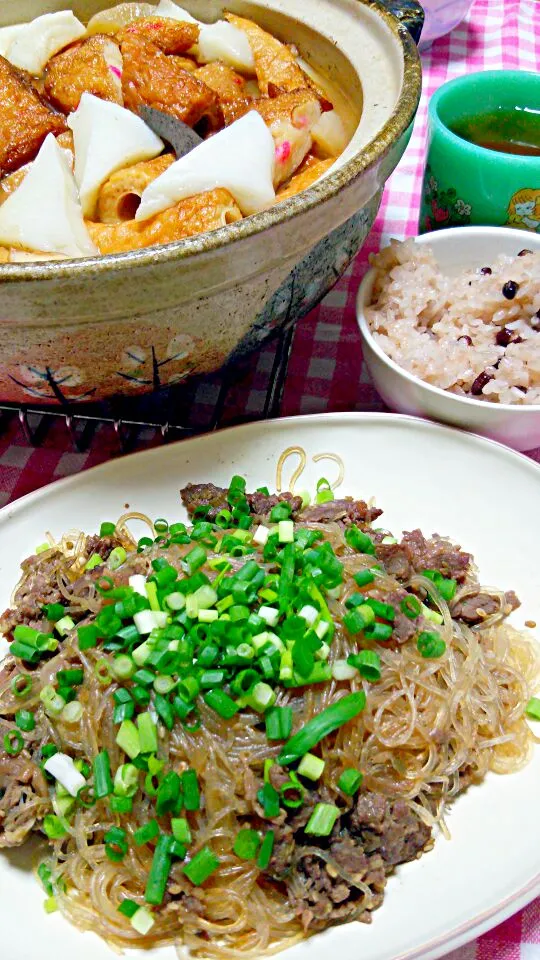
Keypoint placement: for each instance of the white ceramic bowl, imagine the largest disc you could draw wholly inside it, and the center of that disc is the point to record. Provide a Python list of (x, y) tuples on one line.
[(455, 250), (441, 17)]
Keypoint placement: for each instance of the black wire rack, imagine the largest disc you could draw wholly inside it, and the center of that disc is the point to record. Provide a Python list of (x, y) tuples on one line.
[(169, 414)]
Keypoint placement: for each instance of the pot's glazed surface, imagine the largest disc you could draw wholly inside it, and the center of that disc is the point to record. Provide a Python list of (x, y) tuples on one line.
[(86, 329)]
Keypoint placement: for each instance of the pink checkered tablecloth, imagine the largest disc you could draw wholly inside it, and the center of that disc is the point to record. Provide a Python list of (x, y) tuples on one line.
[(326, 372)]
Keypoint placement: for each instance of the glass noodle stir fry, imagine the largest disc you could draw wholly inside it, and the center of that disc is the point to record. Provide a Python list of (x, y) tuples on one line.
[(232, 732), (76, 146)]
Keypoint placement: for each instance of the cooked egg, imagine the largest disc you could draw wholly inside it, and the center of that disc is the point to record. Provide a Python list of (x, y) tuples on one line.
[(106, 137), (30, 45), (44, 213), (240, 159)]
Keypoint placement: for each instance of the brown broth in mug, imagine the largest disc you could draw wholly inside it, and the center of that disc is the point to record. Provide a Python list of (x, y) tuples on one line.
[(505, 131)]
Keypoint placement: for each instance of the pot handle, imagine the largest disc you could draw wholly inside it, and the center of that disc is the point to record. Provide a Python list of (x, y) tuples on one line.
[(409, 13)]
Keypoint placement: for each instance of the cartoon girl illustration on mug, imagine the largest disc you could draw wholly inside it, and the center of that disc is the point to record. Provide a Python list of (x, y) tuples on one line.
[(524, 210)]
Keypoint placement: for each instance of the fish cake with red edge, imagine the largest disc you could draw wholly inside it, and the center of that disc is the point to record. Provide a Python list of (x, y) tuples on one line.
[(153, 79), (290, 118), (93, 66), (25, 119), (170, 36)]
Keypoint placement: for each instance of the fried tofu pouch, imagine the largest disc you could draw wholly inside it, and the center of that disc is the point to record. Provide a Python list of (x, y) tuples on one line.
[(154, 79), (275, 64), (307, 174), (198, 214), (25, 120), (120, 195), (230, 88), (93, 66)]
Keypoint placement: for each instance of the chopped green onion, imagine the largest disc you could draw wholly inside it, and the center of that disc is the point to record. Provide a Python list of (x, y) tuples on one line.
[(278, 722), (126, 780), (533, 708), (350, 781), (107, 529), (368, 664), (364, 577), (70, 678), (430, 645), (116, 844), (149, 831), (128, 908), (247, 843), (321, 725), (220, 701), (128, 739), (102, 672), (53, 827), (94, 561), (384, 610), (446, 587), (292, 792), (159, 872), (322, 820), (266, 851), (181, 831), (72, 712), (359, 540), (54, 611), (168, 793), (88, 636), (311, 767), (21, 685), (142, 921), (50, 905), (202, 866), (64, 625), (123, 667), (268, 798), (147, 733), (432, 615), (378, 631), (261, 697), (286, 531), (190, 786), (121, 804), (411, 606), (194, 559), (117, 557), (25, 720), (13, 743), (103, 784)]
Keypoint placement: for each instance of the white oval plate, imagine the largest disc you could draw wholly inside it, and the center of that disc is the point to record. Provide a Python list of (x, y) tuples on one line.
[(482, 495)]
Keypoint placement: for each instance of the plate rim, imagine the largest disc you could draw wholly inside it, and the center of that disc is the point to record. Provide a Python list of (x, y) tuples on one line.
[(481, 923), (360, 416)]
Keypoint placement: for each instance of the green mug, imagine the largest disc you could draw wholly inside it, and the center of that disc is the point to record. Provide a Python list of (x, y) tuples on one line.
[(469, 184)]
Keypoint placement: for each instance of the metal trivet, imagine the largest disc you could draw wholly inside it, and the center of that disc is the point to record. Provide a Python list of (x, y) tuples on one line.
[(201, 405)]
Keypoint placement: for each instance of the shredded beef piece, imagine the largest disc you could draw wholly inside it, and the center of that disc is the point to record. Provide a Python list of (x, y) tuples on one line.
[(347, 510), (103, 546), (261, 505), (415, 553), (24, 798), (396, 560), (366, 845), (436, 554), (207, 494), (39, 588), (467, 608)]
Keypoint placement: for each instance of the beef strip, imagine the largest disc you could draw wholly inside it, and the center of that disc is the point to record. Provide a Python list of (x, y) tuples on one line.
[(367, 843), (346, 510), (207, 494), (475, 607), (415, 553), (24, 798)]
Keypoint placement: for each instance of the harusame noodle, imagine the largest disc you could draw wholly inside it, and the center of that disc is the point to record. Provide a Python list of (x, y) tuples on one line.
[(430, 727)]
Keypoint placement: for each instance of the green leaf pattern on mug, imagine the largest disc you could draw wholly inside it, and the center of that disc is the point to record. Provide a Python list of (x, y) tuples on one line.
[(442, 208)]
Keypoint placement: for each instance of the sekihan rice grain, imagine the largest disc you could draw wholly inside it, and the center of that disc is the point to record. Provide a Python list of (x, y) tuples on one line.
[(463, 333)]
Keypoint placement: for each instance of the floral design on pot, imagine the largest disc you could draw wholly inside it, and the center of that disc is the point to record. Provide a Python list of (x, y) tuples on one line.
[(144, 367), (47, 383)]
